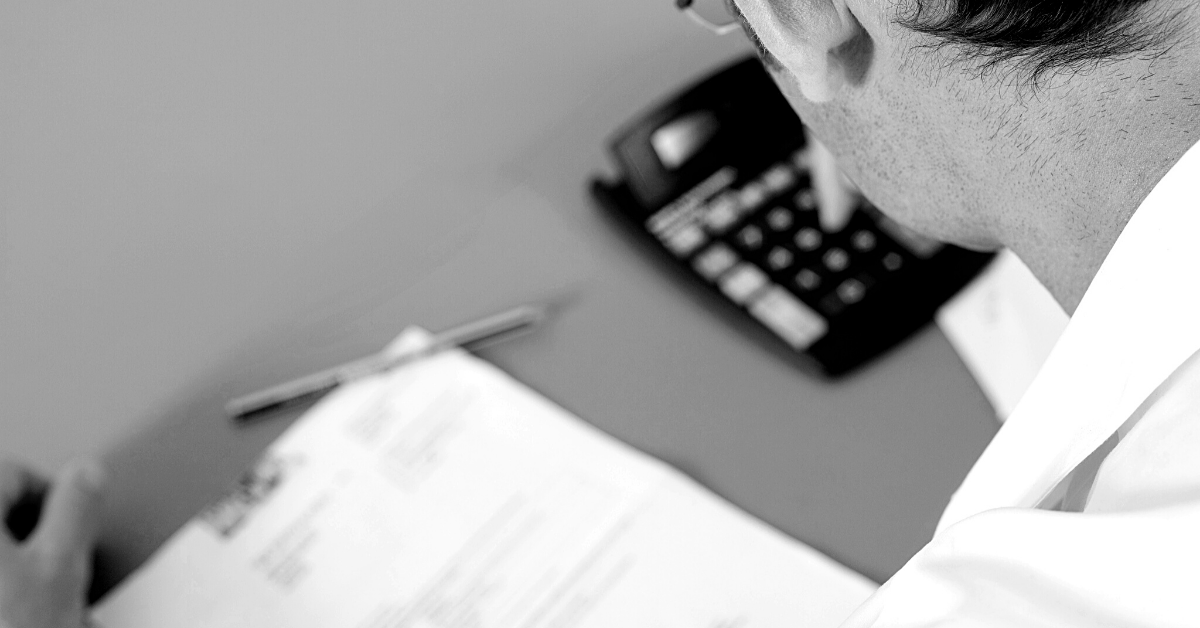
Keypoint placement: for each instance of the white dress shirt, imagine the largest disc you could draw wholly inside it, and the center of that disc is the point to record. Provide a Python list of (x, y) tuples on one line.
[(1108, 435)]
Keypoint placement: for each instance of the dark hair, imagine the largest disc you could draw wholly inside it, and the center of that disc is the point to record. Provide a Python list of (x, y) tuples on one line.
[(1044, 35)]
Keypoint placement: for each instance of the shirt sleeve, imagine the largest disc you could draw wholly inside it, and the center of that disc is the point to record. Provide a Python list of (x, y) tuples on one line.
[(1027, 568)]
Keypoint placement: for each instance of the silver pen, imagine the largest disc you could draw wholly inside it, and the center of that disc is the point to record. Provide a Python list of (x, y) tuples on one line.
[(469, 336)]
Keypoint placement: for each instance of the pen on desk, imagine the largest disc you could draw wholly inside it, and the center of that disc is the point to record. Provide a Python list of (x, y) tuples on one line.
[(471, 336)]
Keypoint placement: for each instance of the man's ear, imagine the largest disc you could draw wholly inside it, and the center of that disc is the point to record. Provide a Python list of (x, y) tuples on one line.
[(819, 42)]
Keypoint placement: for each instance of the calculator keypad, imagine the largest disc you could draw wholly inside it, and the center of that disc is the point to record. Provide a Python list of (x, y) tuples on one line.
[(685, 241), (714, 261), (789, 318), (863, 241), (806, 200), (779, 178), (753, 195), (836, 260), (807, 280), (780, 219), (851, 291), (750, 238), (762, 246), (780, 259), (722, 214), (809, 239), (743, 282)]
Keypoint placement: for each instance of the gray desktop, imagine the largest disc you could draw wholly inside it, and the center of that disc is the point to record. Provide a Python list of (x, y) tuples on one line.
[(203, 201)]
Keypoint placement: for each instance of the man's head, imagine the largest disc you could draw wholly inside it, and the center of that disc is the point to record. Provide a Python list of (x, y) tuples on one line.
[(963, 117)]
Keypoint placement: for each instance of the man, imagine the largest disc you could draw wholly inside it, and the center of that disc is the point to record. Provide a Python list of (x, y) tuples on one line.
[(1043, 127)]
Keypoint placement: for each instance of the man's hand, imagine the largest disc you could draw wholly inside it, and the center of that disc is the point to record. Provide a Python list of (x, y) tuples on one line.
[(44, 578)]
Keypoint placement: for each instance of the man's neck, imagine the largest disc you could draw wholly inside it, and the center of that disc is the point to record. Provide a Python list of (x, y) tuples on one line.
[(1141, 116)]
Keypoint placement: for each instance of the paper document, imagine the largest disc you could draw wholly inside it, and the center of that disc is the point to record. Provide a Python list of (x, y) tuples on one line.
[(446, 494), (1003, 325)]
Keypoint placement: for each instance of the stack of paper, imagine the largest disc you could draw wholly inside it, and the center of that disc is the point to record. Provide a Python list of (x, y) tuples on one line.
[(447, 494)]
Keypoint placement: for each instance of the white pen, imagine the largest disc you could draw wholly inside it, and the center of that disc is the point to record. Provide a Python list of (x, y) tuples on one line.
[(470, 335)]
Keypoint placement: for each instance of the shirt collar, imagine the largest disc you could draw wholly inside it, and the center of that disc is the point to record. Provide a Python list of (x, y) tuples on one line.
[(1138, 321)]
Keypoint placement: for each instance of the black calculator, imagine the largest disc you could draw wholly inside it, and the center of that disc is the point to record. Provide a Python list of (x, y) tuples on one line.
[(719, 178)]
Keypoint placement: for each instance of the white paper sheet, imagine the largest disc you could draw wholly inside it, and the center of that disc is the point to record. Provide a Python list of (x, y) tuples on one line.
[(447, 494), (1003, 325)]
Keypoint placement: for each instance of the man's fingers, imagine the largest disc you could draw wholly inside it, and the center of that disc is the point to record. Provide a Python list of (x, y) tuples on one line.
[(21, 491), (70, 516), (17, 483)]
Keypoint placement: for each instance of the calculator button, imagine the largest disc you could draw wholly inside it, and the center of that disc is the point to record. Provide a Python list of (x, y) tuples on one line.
[(808, 239), (808, 280), (779, 178), (800, 159), (836, 260), (832, 304), (780, 258), (780, 219), (722, 213), (753, 195), (714, 261), (863, 241), (851, 291), (686, 240), (750, 238), (743, 282), (785, 315), (893, 262), (806, 200)]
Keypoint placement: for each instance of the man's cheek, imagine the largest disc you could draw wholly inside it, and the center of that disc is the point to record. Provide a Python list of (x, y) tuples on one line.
[(857, 141)]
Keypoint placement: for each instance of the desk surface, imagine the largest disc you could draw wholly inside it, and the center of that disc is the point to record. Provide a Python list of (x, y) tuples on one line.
[(196, 201)]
